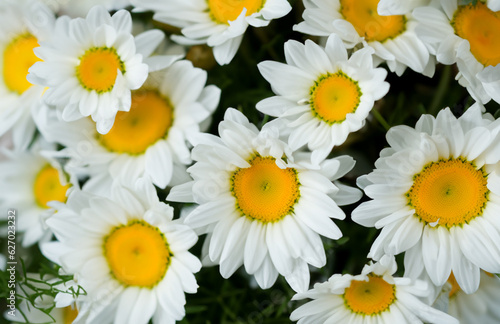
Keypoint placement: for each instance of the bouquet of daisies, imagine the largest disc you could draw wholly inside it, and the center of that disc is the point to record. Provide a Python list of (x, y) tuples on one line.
[(250, 161)]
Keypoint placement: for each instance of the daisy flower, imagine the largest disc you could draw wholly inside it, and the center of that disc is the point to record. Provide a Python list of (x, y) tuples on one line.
[(374, 297), (263, 206), (23, 25), (322, 95), (90, 65), (435, 194), (127, 253), (218, 23), (467, 35), (479, 307), (150, 140), (30, 181), (357, 22)]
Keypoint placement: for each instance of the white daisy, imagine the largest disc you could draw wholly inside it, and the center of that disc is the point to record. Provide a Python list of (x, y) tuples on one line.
[(263, 207), (29, 182), (436, 196), (399, 7), (23, 25), (150, 140), (322, 95), (373, 297), (479, 307), (90, 65), (356, 21), (127, 253), (469, 36), (218, 23)]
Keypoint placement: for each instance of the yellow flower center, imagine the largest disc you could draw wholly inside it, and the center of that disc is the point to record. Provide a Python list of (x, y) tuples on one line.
[(149, 119), (98, 69), (265, 192), (362, 14), (137, 254), (223, 11), (69, 314), (18, 57), (449, 192), (48, 187), (369, 297), (334, 96), (481, 27)]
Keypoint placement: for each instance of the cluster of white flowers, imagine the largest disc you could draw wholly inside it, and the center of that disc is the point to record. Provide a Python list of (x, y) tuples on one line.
[(98, 119)]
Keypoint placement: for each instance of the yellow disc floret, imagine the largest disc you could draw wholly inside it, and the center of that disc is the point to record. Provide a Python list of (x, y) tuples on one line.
[(149, 119), (223, 11), (334, 96), (369, 297), (481, 27), (263, 191), (362, 14), (18, 57), (48, 187), (449, 192), (98, 69), (137, 254)]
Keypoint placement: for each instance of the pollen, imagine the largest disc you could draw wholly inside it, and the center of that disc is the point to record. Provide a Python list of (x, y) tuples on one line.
[(47, 187), (263, 191), (98, 69), (362, 14), (18, 57), (370, 297), (137, 254), (333, 96), (149, 119), (481, 27), (223, 11), (450, 192)]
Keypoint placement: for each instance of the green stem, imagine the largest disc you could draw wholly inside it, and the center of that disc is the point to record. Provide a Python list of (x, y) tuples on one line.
[(266, 43), (442, 89), (381, 119), (264, 120)]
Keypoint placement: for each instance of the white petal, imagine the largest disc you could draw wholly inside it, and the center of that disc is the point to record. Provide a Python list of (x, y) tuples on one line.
[(232, 253), (299, 278), (147, 42), (466, 273), (255, 247), (436, 253), (159, 163), (144, 307), (267, 274), (126, 305), (211, 212)]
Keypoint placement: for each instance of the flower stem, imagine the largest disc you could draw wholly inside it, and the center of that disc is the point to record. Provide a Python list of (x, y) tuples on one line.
[(381, 119), (441, 90)]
